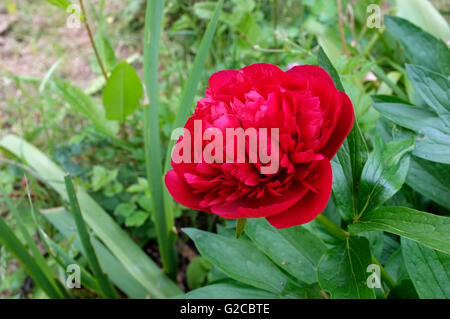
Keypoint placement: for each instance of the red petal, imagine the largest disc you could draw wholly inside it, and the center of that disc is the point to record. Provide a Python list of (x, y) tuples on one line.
[(342, 129), (312, 204), (181, 191)]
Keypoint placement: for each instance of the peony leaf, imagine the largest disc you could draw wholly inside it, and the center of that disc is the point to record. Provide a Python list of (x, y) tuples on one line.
[(239, 260), (419, 45), (342, 270), (384, 173), (288, 254), (428, 269), (428, 229), (228, 290)]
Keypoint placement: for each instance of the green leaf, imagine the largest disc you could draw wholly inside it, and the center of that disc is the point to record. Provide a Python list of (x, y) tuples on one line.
[(232, 290), (103, 226), (428, 229), (239, 260), (428, 269), (63, 4), (163, 214), (384, 173), (13, 244), (395, 266), (122, 92), (404, 290), (240, 226), (85, 105), (430, 179), (347, 168), (62, 220), (105, 51), (326, 64), (421, 47), (342, 270), (423, 14), (197, 272), (434, 88), (285, 255), (136, 219)]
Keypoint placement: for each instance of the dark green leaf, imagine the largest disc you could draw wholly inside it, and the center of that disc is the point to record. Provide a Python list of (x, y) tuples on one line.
[(434, 88), (421, 47), (233, 290), (122, 92), (384, 173), (281, 251), (428, 269), (239, 260), (428, 229), (197, 271), (342, 270), (430, 179)]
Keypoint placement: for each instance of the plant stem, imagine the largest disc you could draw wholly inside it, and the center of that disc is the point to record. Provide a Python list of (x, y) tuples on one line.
[(332, 228), (384, 274), (152, 139), (103, 281), (341, 26), (91, 39)]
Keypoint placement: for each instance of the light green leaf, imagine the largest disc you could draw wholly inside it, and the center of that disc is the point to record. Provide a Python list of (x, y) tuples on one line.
[(122, 92), (85, 105), (232, 290), (197, 272), (421, 47), (384, 173), (270, 241), (239, 260), (63, 4), (434, 88), (115, 239), (136, 219), (428, 269), (428, 229), (430, 179), (342, 270), (423, 14)]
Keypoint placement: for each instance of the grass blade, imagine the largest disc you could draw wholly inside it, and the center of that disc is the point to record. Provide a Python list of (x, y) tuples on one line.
[(105, 285), (152, 140), (10, 241)]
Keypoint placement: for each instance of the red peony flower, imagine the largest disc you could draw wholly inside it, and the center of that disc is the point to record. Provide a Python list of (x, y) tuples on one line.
[(300, 120)]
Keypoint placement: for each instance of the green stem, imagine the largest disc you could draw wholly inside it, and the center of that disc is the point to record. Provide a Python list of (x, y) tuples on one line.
[(104, 283), (332, 228), (152, 139), (384, 274)]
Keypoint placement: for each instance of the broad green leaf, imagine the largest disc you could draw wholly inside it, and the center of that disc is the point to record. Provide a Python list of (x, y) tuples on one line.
[(239, 260), (342, 270), (281, 251), (434, 88), (421, 47), (349, 161), (305, 242), (105, 51), (428, 269), (122, 92), (197, 272), (430, 179), (103, 226), (85, 105), (61, 219), (232, 290), (384, 173), (395, 266), (63, 4), (428, 229), (404, 290), (347, 168), (433, 145), (423, 14), (409, 116)]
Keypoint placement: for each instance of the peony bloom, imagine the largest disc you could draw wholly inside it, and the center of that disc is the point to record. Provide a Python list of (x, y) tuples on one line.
[(312, 119)]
